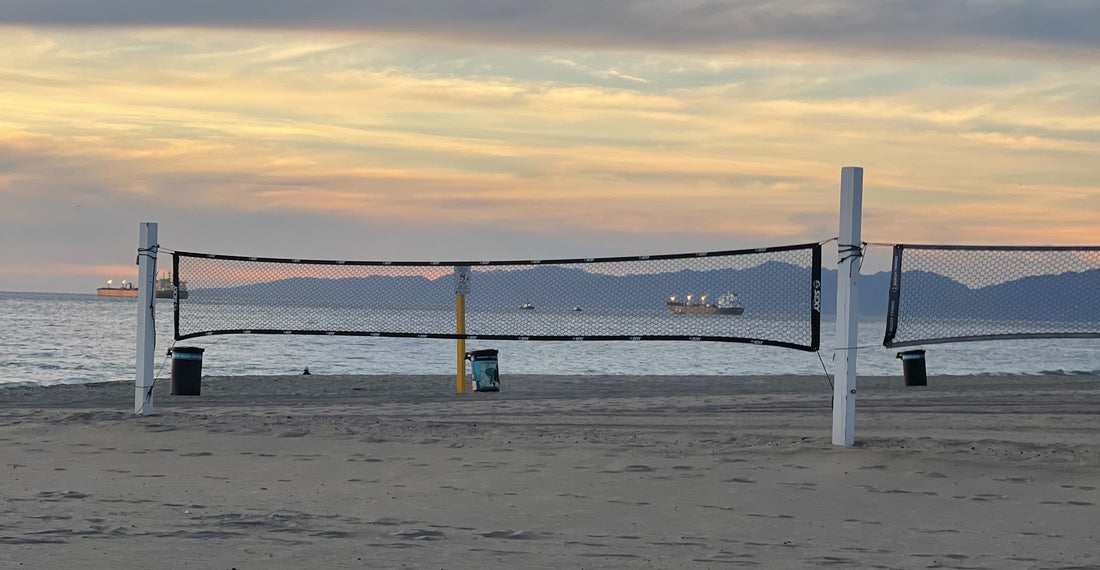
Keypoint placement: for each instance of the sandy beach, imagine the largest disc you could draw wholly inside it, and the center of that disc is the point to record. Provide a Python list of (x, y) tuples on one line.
[(552, 472)]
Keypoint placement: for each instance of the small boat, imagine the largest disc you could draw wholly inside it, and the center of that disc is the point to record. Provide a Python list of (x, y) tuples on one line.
[(577, 309), (727, 304), (528, 306)]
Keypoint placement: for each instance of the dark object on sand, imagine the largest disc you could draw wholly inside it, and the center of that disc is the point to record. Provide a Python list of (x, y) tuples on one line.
[(913, 363), (186, 371), (486, 374)]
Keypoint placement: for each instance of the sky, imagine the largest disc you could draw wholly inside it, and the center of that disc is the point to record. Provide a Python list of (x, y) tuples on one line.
[(502, 129)]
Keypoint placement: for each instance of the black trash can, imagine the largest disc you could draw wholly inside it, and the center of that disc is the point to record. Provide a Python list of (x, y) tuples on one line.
[(486, 376), (913, 363), (186, 371)]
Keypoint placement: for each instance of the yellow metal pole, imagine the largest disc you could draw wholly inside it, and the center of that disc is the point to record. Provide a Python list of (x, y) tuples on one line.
[(460, 328)]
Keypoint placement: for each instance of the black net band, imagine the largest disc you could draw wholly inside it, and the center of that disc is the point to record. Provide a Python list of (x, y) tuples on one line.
[(769, 296), (958, 293)]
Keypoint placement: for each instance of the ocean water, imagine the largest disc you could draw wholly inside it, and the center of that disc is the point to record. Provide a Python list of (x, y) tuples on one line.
[(56, 338)]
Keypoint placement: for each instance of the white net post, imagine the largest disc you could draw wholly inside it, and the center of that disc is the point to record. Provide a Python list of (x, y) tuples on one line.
[(146, 332), (847, 294)]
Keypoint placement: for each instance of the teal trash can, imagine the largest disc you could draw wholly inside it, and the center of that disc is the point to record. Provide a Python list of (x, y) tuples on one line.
[(912, 362), (186, 371), (486, 375)]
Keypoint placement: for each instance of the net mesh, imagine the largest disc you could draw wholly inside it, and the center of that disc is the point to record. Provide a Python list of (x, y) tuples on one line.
[(763, 296), (966, 293)]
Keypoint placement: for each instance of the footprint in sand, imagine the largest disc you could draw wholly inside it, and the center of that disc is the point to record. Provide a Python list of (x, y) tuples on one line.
[(512, 535), (421, 535)]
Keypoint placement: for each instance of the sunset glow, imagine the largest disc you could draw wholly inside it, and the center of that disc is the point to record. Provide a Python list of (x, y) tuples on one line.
[(429, 141)]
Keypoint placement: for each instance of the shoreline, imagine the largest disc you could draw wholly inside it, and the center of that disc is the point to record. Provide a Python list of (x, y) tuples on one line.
[(594, 472)]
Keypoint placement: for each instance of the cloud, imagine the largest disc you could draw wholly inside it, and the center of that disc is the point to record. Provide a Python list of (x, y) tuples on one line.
[(300, 145), (620, 75), (53, 269), (1024, 27)]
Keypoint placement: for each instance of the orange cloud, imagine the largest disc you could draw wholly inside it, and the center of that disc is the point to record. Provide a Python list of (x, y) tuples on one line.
[(715, 146), (101, 272)]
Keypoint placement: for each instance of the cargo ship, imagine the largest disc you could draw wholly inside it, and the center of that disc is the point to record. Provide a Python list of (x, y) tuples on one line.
[(126, 290), (727, 304), (163, 289)]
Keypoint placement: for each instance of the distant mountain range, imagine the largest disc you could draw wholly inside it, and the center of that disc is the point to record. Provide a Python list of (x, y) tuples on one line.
[(764, 289), (1066, 297)]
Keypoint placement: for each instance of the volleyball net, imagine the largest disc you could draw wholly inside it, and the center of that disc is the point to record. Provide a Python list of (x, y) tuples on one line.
[(956, 293), (768, 296)]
